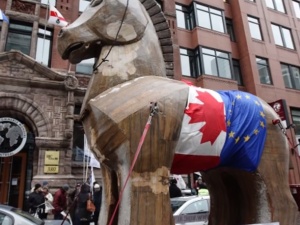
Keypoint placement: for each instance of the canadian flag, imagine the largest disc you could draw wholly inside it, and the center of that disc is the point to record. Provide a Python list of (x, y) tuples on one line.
[(56, 18)]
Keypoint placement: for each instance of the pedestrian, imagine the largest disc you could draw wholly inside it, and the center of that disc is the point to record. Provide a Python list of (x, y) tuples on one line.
[(72, 203), (82, 216), (36, 201), (173, 189), (48, 201), (60, 202), (97, 198)]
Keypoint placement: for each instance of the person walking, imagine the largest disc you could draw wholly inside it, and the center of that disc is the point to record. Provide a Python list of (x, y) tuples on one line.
[(48, 201), (36, 201), (97, 198), (173, 189), (60, 202), (82, 216)]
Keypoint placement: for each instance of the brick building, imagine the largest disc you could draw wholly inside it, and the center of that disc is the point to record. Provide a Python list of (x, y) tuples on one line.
[(238, 44)]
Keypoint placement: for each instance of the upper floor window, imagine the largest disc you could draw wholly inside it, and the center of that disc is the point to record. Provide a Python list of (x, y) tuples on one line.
[(276, 5), (263, 71), (189, 62), (237, 73), (19, 37), (230, 30), (216, 63), (296, 120), (210, 18), (83, 4), (282, 36), (44, 46), (296, 5), (50, 2), (254, 28), (85, 66), (291, 76), (184, 17)]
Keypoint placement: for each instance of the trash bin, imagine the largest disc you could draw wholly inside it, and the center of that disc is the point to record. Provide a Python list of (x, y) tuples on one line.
[(295, 189)]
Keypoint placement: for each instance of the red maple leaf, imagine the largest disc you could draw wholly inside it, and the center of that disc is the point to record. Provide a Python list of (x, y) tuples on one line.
[(211, 112)]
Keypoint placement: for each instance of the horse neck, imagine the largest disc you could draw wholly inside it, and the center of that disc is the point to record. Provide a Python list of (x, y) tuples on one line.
[(126, 62)]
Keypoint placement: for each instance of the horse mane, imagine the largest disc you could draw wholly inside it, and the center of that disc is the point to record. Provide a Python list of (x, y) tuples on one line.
[(163, 32)]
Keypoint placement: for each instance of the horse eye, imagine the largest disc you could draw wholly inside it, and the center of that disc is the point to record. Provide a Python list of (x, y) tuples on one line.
[(95, 3)]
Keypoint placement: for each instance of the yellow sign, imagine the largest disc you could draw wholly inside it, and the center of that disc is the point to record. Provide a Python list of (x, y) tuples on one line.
[(51, 157), (50, 169)]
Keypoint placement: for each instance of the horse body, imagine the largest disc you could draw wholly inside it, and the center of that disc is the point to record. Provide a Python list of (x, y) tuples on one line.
[(131, 75)]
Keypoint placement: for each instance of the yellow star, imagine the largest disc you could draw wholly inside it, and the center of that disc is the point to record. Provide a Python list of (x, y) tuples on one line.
[(228, 123), (256, 131), (237, 139), (238, 96), (232, 103), (247, 138), (247, 97), (262, 124), (256, 102), (262, 114), (231, 134)]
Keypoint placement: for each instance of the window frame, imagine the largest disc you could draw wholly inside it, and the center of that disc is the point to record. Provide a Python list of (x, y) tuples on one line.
[(267, 66), (230, 29), (297, 12), (188, 13), (291, 76), (193, 55), (253, 23), (275, 6), (282, 36), (48, 36)]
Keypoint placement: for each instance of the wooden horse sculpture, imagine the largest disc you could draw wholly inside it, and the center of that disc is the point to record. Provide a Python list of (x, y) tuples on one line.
[(247, 185)]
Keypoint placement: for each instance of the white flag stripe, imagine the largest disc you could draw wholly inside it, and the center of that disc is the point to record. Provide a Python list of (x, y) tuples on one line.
[(56, 18)]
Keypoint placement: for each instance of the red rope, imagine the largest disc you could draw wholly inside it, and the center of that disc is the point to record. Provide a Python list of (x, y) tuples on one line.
[(132, 165)]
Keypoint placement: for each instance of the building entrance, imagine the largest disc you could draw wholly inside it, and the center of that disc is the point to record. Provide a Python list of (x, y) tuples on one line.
[(12, 179)]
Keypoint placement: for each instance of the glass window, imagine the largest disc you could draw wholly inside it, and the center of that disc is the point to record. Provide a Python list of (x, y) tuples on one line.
[(296, 120), (216, 63), (282, 36), (254, 28), (83, 4), (229, 28), (276, 5), (78, 142), (210, 18), (50, 2), (263, 70), (196, 207), (19, 37), (189, 61), (85, 66), (44, 46), (296, 5), (237, 74), (184, 17), (291, 76)]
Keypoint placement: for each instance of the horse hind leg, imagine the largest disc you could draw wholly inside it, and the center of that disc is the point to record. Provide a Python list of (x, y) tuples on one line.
[(273, 169)]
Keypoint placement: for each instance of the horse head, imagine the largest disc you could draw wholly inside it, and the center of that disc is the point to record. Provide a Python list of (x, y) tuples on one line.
[(104, 22)]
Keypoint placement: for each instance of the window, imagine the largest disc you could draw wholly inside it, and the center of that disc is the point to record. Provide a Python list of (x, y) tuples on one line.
[(189, 62), (229, 28), (254, 28), (216, 63), (19, 37), (296, 120), (85, 66), (282, 36), (5, 219), (44, 46), (263, 71), (51, 2), (196, 207), (210, 18), (237, 74), (184, 17), (276, 5), (291, 76), (83, 4), (296, 5)]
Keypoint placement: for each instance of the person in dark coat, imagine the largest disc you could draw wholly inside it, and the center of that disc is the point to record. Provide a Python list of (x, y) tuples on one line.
[(60, 202), (97, 198), (36, 201), (82, 216), (173, 189)]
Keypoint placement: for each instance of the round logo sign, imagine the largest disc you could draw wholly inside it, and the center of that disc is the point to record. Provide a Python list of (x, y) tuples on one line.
[(277, 107), (13, 136)]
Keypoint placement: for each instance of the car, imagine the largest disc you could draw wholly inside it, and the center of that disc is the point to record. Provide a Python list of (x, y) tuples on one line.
[(191, 210), (10, 215)]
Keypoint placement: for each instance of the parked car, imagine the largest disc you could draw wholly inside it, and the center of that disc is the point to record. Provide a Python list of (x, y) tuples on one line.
[(191, 210), (13, 216)]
